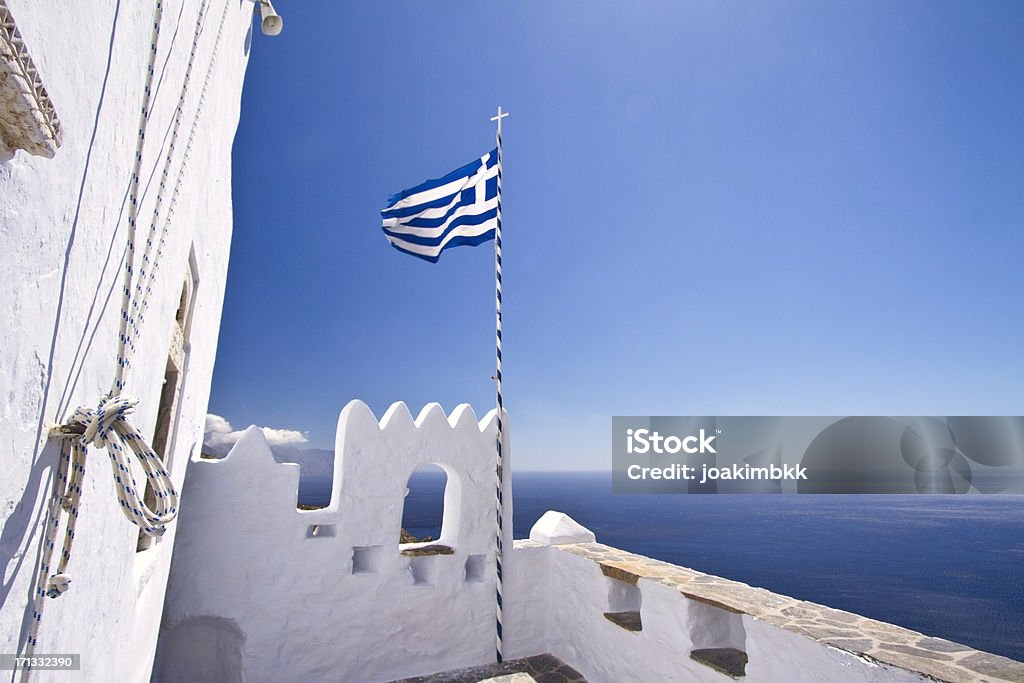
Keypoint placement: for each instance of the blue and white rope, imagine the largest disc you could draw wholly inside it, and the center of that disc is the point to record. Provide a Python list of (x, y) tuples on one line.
[(186, 156), (497, 382), (129, 325), (67, 490), (151, 262), (107, 425)]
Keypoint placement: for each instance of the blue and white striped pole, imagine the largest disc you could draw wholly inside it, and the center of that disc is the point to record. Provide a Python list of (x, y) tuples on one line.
[(497, 383)]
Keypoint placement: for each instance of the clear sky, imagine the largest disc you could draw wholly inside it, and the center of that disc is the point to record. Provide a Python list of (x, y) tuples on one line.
[(709, 208)]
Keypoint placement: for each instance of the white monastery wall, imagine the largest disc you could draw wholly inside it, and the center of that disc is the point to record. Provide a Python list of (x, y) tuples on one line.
[(262, 591), (328, 594), (63, 230)]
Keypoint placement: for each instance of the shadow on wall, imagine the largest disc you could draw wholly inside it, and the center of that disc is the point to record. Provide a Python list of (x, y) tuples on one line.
[(200, 649), (18, 533)]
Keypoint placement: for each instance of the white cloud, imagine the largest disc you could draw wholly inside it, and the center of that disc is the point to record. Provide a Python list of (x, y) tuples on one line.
[(284, 437), (219, 435)]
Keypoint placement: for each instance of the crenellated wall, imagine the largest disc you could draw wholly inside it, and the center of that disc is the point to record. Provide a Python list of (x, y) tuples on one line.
[(262, 591), (329, 594)]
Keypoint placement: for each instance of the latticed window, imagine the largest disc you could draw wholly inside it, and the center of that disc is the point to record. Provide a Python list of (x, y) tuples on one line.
[(167, 412), (28, 119)]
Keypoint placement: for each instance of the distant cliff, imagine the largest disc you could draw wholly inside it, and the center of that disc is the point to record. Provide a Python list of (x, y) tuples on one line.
[(312, 462)]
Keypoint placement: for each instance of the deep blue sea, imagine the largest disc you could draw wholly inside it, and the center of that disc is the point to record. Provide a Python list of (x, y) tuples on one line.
[(949, 566)]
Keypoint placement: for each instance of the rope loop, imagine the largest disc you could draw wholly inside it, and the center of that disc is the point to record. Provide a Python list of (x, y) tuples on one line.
[(107, 427)]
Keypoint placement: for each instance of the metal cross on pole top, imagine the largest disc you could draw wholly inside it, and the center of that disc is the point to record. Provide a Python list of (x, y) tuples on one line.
[(497, 383), (499, 117)]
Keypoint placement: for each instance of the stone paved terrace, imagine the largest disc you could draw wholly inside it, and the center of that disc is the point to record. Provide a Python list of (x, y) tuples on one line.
[(540, 668), (873, 640)]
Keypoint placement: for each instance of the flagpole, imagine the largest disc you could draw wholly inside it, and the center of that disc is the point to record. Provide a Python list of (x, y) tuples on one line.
[(497, 383)]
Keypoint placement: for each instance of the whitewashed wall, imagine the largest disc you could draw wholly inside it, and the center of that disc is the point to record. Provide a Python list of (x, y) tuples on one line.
[(255, 595), (557, 602), (62, 233), (260, 591)]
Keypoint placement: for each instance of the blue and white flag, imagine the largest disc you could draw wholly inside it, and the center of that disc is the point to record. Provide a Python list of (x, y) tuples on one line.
[(460, 208)]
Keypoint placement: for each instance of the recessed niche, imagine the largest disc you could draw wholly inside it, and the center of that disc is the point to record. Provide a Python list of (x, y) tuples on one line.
[(713, 627), (424, 570), (623, 605), (622, 596), (367, 559), (718, 637), (321, 531), (476, 569)]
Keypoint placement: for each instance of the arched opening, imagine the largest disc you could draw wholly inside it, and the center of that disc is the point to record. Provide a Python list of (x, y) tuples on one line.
[(424, 510), (200, 648)]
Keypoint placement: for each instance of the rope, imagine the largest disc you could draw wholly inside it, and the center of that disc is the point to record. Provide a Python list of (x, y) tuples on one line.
[(497, 382), (150, 278), (66, 494), (129, 329), (107, 426), (56, 585)]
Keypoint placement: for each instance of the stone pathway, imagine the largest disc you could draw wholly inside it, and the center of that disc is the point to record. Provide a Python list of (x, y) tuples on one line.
[(539, 668)]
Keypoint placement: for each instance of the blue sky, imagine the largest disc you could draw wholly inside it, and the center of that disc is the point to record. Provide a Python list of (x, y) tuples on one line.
[(709, 208)]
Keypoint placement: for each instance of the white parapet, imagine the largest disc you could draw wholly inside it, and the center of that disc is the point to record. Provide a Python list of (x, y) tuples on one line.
[(262, 591), (618, 617)]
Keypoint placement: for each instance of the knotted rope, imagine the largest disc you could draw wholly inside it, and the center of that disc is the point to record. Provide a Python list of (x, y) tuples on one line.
[(107, 427)]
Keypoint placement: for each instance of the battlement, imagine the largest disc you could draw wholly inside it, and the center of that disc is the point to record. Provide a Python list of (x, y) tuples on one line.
[(373, 463), (262, 591), (250, 567)]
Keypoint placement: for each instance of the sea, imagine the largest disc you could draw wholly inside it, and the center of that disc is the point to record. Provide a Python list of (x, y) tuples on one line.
[(945, 565)]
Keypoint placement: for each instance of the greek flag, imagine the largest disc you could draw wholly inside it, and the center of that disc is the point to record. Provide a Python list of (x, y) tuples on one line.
[(459, 208)]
